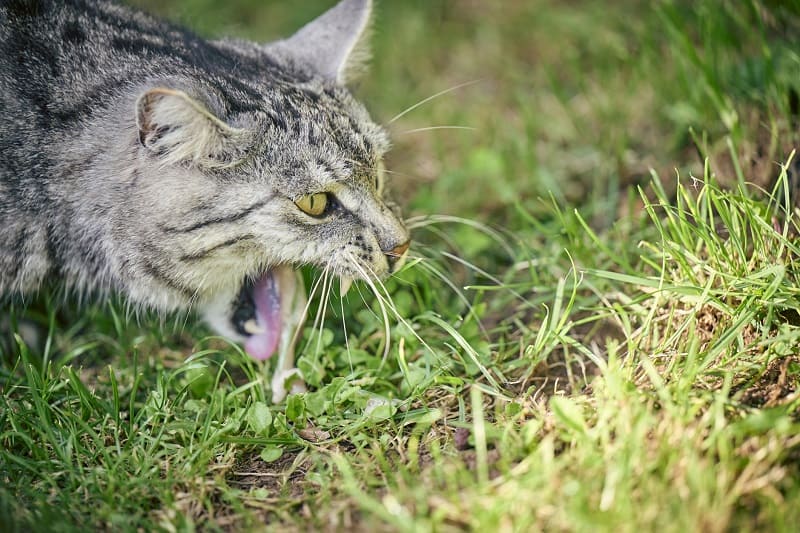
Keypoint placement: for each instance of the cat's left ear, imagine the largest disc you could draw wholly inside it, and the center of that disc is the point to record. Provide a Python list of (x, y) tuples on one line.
[(334, 44)]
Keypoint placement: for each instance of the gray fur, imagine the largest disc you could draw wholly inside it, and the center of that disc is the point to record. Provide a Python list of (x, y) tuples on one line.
[(136, 157)]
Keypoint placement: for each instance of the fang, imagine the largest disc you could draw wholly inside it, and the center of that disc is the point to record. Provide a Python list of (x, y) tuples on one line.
[(252, 327), (344, 285)]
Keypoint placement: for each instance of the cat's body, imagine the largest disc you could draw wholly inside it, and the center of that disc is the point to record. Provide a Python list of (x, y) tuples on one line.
[(136, 157)]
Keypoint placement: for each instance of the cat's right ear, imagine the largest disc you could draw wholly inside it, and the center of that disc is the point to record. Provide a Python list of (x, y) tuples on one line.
[(178, 129), (334, 44)]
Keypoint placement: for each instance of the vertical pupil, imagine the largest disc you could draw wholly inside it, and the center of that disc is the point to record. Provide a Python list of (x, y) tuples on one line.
[(311, 203)]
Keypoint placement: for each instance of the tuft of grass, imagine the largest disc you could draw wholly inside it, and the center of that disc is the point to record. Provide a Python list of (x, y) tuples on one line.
[(598, 330)]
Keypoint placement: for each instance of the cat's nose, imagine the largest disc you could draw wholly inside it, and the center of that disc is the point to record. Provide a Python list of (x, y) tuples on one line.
[(397, 255)]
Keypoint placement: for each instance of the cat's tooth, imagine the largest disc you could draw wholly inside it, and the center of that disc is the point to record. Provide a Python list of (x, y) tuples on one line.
[(252, 327), (400, 262), (344, 285)]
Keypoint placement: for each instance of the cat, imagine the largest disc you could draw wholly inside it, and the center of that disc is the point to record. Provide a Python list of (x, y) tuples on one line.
[(138, 158)]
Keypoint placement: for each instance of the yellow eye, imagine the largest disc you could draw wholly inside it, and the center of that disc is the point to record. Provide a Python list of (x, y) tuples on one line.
[(313, 204)]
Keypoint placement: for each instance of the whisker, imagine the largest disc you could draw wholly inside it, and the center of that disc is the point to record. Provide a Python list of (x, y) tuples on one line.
[(439, 274), (443, 236), (323, 300), (399, 316), (472, 267), (346, 336), (431, 128), (394, 172), (193, 299), (364, 301), (404, 174), (311, 293), (428, 99), (428, 220), (354, 162), (386, 327), (485, 274)]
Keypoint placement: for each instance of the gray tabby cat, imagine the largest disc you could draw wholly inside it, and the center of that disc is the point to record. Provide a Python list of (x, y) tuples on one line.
[(136, 157)]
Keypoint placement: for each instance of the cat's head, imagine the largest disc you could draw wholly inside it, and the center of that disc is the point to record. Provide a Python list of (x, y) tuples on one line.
[(269, 167)]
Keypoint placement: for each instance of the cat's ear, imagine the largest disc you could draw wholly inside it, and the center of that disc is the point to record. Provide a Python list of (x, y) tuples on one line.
[(335, 44), (179, 128)]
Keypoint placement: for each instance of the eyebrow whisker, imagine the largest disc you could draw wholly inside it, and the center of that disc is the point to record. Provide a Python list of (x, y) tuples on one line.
[(428, 99), (431, 128)]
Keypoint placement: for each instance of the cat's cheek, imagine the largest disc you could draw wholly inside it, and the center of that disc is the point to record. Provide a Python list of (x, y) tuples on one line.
[(217, 311)]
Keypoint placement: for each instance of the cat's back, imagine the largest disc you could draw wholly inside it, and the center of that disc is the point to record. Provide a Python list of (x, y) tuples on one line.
[(66, 67), (61, 59)]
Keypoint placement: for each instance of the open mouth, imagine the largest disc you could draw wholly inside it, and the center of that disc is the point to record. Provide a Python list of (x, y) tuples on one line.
[(266, 315), (268, 311)]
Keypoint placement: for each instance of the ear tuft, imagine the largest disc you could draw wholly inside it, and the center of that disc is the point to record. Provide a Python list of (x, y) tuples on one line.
[(334, 45), (180, 129)]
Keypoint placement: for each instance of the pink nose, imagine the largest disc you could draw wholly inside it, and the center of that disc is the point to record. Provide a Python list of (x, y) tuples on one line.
[(394, 255)]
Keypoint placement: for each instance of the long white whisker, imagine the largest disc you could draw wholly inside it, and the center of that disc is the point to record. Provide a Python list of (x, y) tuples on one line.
[(431, 128), (443, 236), (326, 295), (346, 336), (428, 99), (485, 274), (364, 300), (323, 299), (386, 327), (311, 293), (193, 299), (323, 280), (397, 173), (472, 267), (354, 162), (400, 317), (427, 220)]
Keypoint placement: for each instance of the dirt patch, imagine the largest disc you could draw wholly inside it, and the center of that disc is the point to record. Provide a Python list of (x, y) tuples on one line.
[(709, 319), (709, 324), (778, 383), (272, 491), (282, 477), (564, 370)]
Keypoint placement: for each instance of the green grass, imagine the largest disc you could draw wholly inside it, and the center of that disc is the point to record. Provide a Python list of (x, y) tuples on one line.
[(610, 343)]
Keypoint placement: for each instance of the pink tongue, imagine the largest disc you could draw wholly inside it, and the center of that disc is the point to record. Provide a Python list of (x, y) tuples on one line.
[(268, 316)]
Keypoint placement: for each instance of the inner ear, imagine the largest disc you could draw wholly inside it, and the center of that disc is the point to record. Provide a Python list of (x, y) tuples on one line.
[(179, 128)]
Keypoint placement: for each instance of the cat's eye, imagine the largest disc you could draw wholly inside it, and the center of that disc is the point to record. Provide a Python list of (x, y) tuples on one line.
[(313, 204)]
